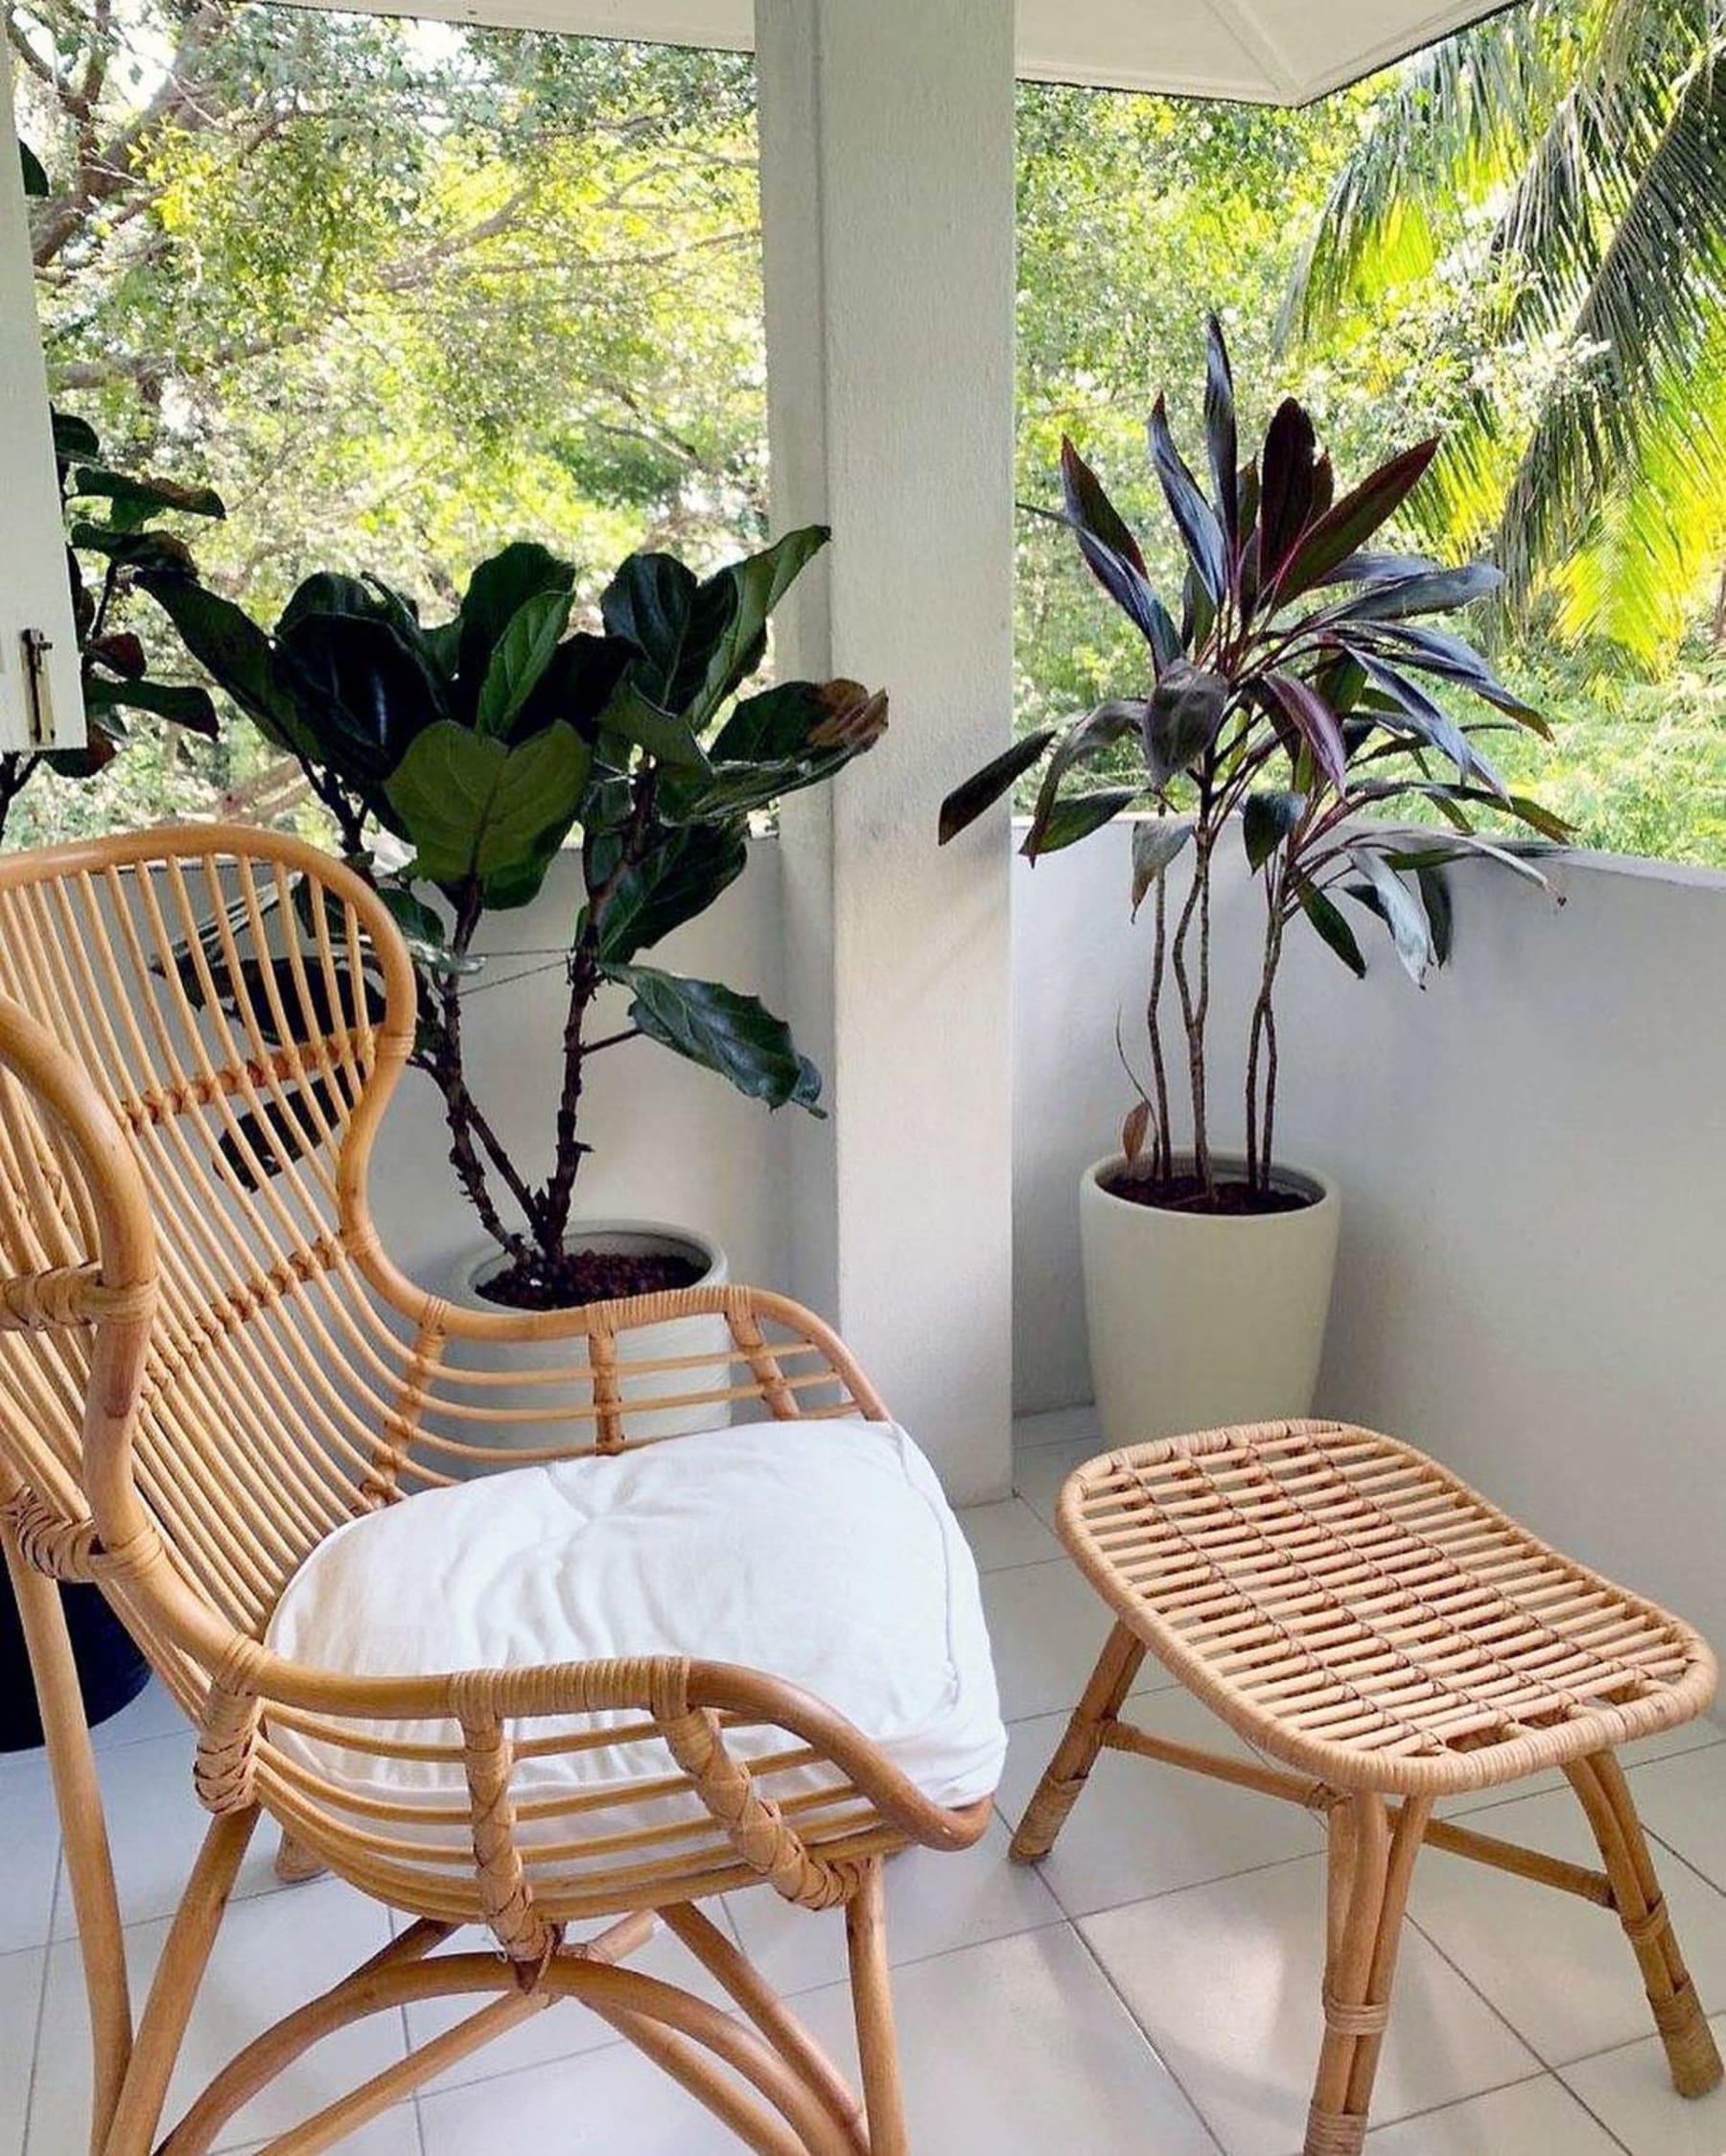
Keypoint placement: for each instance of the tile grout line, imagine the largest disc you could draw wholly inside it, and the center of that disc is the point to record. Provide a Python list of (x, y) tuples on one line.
[(42, 2012), (1145, 2037)]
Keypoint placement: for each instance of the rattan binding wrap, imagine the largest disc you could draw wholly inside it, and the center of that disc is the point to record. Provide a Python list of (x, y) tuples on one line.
[(208, 1361)]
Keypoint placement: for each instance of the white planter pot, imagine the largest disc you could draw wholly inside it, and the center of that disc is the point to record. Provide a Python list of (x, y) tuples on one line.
[(679, 1336), (1199, 1319)]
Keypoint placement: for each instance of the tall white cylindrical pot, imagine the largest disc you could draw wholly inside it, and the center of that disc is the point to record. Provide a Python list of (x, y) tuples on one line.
[(1198, 1320), (706, 1336)]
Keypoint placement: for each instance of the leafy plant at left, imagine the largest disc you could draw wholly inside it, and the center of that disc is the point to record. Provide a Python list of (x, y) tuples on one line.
[(457, 758), (112, 533)]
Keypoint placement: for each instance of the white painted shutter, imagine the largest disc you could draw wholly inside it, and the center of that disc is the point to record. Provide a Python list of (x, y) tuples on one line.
[(41, 701)]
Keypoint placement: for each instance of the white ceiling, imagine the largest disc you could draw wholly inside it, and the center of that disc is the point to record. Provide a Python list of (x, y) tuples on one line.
[(1278, 51)]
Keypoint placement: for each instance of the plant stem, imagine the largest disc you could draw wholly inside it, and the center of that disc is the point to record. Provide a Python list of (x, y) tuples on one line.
[(1193, 1010), (446, 1063), (1159, 1075)]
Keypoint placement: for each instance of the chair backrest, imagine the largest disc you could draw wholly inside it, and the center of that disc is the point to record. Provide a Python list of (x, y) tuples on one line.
[(200, 1030), (240, 1004)]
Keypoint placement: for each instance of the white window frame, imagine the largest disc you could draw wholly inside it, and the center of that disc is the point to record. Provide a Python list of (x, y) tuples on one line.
[(41, 703)]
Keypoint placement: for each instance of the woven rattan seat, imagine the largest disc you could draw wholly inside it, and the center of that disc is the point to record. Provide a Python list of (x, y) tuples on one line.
[(1352, 1609)]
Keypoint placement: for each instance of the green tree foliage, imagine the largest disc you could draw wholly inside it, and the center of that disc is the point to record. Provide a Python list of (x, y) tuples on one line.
[(401, 290), (1569, 160)]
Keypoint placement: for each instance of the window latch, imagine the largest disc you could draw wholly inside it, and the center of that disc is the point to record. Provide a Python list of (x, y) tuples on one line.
[(39, 703)]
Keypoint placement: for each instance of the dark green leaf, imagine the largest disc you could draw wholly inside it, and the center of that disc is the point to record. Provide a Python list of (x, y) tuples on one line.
[(143, 498), (722, 1031), (1266, 820), (519, 658), (759, 582), (677, 625), (663, 733), (1084, 743), (74, 437), (154, 550), (473, 807), (1333, 928), (234, 652), (361, 688), (497, 592), (1075, 817), (180, 705), (986, 786), (35, 179), (682, 876)]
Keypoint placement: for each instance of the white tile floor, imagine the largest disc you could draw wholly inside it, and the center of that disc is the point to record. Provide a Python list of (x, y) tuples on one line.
[(1151, 1992)]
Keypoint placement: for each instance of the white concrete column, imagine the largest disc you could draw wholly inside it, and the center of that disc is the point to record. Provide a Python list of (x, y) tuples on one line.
[(887, 181)]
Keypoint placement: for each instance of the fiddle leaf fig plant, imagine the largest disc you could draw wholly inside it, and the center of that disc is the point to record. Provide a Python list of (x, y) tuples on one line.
[(1300, 689), (457, 758)]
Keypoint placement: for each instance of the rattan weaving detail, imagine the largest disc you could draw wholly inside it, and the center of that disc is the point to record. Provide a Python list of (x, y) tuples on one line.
[(1348, 1604)]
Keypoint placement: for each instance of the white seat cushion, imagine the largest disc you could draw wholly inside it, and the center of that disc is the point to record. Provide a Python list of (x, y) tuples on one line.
[(819, 1552)]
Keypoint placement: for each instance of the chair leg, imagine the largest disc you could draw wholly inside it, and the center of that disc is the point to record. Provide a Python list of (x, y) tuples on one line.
[(1068, 1771), (872, 2002), (1370, 1866), (1605, 1795), (84, 1827)]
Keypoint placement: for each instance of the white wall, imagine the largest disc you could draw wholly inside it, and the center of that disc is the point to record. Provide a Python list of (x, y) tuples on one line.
[(1532, 1161), (671, 1141), (1531, 1154)]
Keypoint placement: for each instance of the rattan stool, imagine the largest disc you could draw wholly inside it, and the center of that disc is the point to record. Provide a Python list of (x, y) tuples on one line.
[(1351, 1608)]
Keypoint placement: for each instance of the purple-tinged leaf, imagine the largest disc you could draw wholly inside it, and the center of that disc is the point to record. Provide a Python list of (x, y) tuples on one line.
[(1430, 721), (1434, 895), (1112, 555), (1195, 519), (1220, 434), (1370, 566), (1316, 724), (1436, 591), (1286, 486), (1436, 651), (1349, 522), (984, 787), (1089, 508)]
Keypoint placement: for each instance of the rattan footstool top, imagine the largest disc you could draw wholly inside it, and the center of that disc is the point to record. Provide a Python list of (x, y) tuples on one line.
[(1349, 1607)]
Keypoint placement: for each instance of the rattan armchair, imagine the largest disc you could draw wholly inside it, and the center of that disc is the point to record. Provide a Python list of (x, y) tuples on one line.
[(208, 1364)]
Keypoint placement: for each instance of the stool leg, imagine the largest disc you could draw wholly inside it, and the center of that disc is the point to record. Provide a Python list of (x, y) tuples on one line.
[(1067, 1773), (1370, 1866), (1599, 1781)]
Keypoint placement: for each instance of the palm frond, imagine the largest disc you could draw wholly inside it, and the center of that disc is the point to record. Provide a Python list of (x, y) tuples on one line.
[(1462, 112), (1651, 305)]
